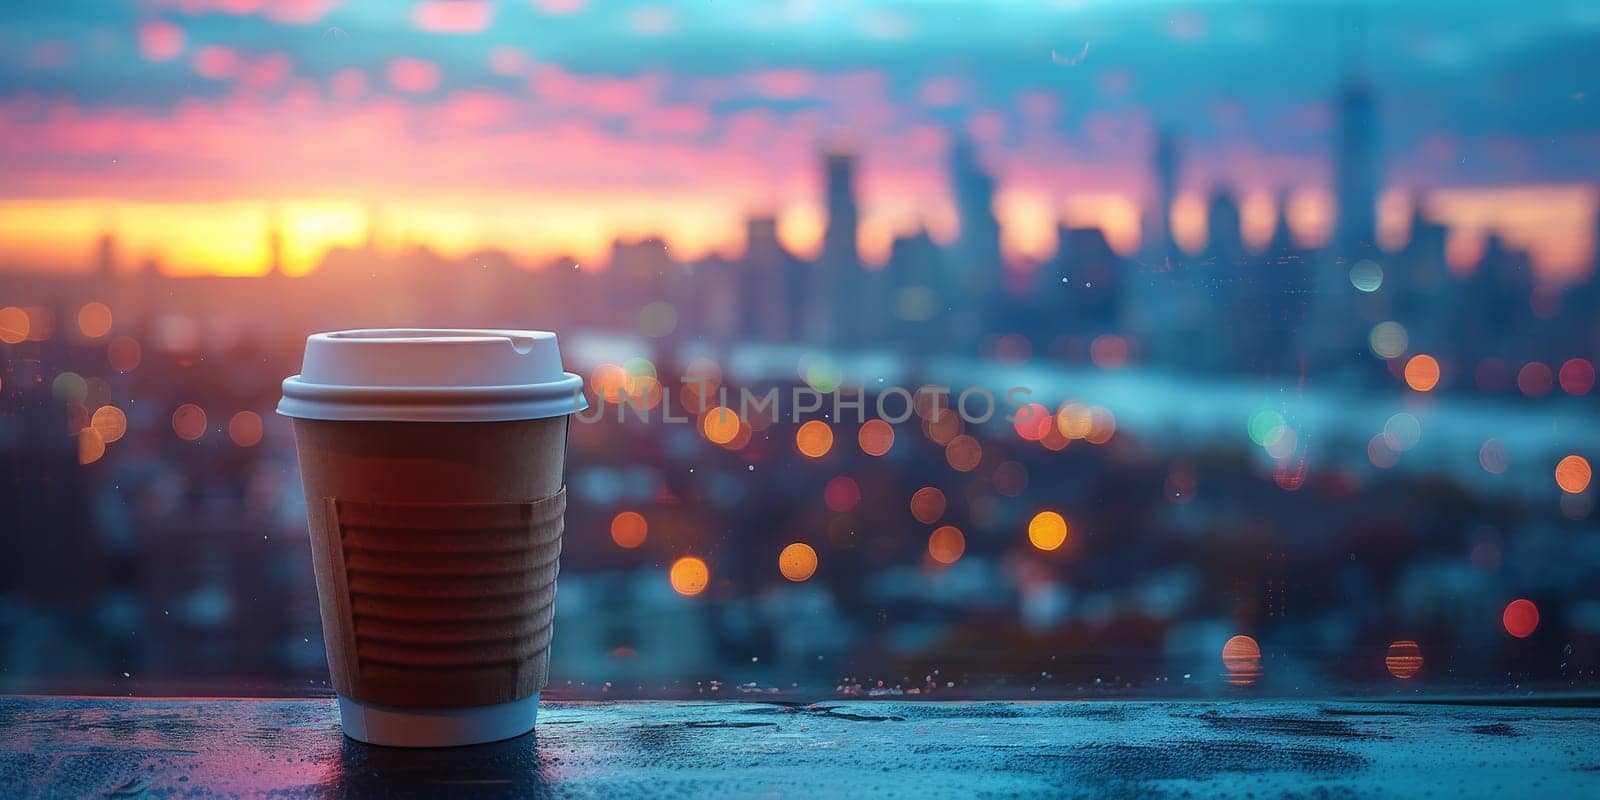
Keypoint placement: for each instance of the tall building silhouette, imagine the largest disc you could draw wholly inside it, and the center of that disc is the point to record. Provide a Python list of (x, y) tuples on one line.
[(1165, 162), (831, 317), (1356, 168), (971, 278)]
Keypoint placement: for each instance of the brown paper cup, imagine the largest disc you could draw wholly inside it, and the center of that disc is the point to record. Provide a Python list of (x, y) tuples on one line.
[(436, 549)]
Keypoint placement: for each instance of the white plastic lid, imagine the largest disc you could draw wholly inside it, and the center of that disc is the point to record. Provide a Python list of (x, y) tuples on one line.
[(432, 375)]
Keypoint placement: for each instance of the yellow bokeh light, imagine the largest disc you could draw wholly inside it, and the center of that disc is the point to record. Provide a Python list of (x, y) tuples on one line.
[(1047, 530), (946, 544), (1573, 474), (629, 529), (814, 439), (109, 422), (689, 576), (720, 425), (876, 437), (94, 319), (1074, 420), (797, 562)]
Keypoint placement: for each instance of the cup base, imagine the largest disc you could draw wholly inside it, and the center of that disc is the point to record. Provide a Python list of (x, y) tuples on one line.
[(392, 726)]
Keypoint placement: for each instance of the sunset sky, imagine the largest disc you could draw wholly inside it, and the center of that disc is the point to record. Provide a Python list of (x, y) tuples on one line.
[(189, 128)]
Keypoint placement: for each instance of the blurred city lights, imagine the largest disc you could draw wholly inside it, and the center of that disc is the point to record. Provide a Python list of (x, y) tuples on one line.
[(1388, 340), (94, 319), (1492, 457), (1366, 276), (720, 425), (1520, 618), (1404, 659), (814, 438), (842, 494), (1577, 376), (927, 505), (109, 422), (13, 325), (1241, 656), (797, 562), (875, 437), (946, 544), (124, 354), (90, 446), (1422, 372), (244, 428), (1047, 530), (689, 576), (963, 453), (189, 422), (1535, 379), (1573, 474), (629, 529)]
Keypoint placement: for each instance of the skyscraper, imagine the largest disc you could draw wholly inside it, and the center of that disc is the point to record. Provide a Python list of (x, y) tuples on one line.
[(1356, 168), (972, 266), (1159, 242), (832, 308)]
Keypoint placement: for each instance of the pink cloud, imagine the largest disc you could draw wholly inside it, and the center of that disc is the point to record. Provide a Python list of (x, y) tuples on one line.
[(507, 61), (784, 84), (610, 96), (348, 84), (560, 7), (266, 72), (414, 75), (216, 62), (294, 12), (452, 16), (160, 41)]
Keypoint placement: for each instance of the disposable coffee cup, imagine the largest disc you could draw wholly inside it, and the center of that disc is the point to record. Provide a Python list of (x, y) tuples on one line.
[(432, 462)]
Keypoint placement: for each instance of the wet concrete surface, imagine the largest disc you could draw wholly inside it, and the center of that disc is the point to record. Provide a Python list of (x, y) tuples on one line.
[(106, 747)]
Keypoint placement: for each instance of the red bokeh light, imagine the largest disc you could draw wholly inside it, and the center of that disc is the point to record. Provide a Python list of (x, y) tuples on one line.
[(1521, 618)]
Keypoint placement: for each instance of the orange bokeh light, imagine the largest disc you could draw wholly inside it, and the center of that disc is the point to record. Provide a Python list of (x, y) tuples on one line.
[(927, 505), (610, 381), (814, 439), (629, 529), (1241, 655), (189, 422), (244, 428), (876, 437), (689, 576), (946, 544), (124, 354), (963, 453), (720, 425), (1422, 372), (90, 446), (1047, 530), (1404, 659), (109, 422), (94, 319), (797, 562), (1573, 474)]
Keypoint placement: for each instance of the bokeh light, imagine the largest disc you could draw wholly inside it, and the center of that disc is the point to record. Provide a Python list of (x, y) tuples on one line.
[(1404, 659), (1535, 379), (876, 437), (1241, 656), (1577, 376), (797, 562), (963, 453), (1422, 372), (927, 505), (946, 544), (689, 576), (658, 319), (1388, 340), (1573, 474), (69, 387), (1521, 618), (244, 428), (1492, 457), (124, 354), (629, 529), (609, 381), (94, 319), (109, 422), (90, 446), (1047, 530), (814, 439), (1033, 421), (1366, 276), (1109, 351), (13, 325), (1402, 432), (842, 494), (189, 422), (1074, 420), (720, 425)]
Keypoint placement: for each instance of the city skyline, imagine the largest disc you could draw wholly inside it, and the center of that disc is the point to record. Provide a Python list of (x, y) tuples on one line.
[(191, 128)]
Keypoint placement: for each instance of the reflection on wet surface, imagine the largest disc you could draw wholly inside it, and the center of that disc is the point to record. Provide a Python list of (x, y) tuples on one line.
[(293, 748)]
